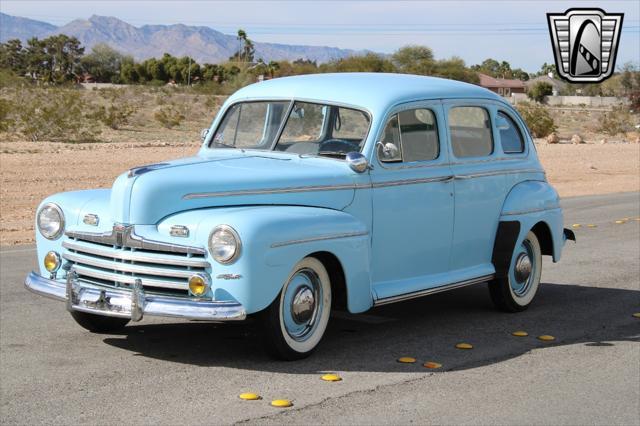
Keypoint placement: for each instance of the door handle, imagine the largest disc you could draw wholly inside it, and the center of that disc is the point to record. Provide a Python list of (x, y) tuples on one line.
[(447, 179)]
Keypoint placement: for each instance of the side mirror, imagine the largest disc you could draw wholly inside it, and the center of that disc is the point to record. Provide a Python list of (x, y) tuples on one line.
[(203, 135), (357, 162)]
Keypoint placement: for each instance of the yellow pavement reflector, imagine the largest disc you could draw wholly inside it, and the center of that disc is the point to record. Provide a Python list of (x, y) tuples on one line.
[(432, 365), (248, 396), (576, 225), (619, 222), (464, 346), (591, 225), (331, 378), (520, 333), (546, 338), (406, 360), (281, 403), (636, 315)]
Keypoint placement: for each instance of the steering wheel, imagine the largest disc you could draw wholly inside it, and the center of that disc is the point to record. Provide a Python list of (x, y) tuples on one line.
[(339, 145)]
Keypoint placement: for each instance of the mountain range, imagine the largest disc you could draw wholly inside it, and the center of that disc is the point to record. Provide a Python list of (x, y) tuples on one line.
[(204, 44)]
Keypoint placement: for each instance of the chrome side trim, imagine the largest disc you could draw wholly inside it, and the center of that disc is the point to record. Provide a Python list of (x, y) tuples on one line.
[(288, 190), (453, 286), (135, 256), (412, 181), (128, 279), (497, 173), (320, 238), (125, 236), (133, 304), (126, 267), (529, 211)]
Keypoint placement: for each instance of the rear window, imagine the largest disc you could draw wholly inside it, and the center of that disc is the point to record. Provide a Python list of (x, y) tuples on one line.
[(510, 137), (470, 129)]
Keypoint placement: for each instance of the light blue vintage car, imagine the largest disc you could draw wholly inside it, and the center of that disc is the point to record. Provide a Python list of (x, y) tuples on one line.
[(312, 193)]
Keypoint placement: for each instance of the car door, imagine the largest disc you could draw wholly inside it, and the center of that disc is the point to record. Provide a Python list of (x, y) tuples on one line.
[(479, 186), (412, 201)]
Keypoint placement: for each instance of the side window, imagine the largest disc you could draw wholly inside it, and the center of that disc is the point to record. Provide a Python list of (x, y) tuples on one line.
[(411, 135), (510, 137), (470, 129)]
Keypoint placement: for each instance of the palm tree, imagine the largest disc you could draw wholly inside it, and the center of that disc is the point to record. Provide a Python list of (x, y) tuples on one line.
[(272, 67), (242, 38)]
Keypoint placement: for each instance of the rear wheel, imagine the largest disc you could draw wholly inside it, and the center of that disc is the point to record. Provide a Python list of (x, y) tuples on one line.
[(296, 321), (99, 323), (514, 291)]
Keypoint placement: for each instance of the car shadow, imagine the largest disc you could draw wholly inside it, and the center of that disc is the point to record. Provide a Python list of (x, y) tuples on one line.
[(426, 329)]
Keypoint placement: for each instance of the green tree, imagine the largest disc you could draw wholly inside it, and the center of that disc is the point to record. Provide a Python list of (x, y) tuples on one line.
[(455, 69), (12, 56), (414, 60), (538, 91), (370, 62), (103, 63)]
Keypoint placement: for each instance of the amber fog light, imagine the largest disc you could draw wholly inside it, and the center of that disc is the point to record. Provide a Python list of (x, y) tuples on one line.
[(52, 261), (198, 285)]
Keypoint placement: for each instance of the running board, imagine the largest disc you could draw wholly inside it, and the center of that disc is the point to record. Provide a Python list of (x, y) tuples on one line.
[(416, 294)]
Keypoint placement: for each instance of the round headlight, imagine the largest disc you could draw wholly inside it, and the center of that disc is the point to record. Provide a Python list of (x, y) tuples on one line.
[(50, 221), (224, 244)]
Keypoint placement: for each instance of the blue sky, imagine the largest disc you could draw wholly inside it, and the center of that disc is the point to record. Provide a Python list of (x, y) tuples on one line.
[(514, 30)]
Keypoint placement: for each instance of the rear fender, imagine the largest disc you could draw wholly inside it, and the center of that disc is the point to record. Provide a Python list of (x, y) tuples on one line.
[(536, 204)]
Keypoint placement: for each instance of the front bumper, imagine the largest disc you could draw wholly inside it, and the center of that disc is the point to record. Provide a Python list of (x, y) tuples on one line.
[(134, 304)]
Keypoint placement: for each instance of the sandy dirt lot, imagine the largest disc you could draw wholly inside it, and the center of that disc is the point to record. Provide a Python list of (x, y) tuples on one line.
[(30, 171)]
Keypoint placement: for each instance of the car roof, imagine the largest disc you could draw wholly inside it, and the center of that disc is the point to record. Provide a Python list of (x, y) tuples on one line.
[(373, 91)]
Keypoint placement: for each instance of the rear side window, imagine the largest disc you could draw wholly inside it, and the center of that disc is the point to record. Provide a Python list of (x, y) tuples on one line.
[(510, 137), (470, 129), (411, 135)]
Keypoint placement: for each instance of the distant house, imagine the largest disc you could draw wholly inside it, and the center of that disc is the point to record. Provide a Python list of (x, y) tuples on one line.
[(502, 86), (85, 78), (555, 83)]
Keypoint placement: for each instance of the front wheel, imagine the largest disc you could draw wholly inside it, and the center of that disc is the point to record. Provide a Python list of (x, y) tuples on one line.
[(515, 291), (99, 323), (296, 321)]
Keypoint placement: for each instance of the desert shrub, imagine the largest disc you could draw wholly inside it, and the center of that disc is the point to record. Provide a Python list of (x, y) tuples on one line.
[(55, 114), (538, 91), (538, 119), (169, 117), (618, 120), (5, 112), (115, 115)]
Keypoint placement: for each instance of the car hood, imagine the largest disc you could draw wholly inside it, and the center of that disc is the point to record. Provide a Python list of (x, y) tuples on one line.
[(146, 194)]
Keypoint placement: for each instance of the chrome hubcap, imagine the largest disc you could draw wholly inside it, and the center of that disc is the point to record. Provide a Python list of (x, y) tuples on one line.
[(303, 305), (523, 267)]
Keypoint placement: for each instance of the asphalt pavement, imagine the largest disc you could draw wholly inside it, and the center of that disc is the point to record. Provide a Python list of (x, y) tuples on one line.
[(174, 372)]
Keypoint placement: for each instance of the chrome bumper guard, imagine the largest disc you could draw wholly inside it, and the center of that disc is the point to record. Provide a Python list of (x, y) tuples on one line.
[(134, 304)]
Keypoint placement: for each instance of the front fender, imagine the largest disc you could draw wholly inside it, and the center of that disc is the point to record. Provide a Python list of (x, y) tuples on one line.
[(534, 202), (274, 239)]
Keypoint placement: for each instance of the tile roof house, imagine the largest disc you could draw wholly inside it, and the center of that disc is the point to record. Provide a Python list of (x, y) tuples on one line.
[(501, 86)]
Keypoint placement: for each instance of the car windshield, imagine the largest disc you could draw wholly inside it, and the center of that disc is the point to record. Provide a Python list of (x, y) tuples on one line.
[(309, 128)]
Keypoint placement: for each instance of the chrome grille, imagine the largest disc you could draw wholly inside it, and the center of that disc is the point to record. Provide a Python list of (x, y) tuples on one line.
[(109, 264)]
